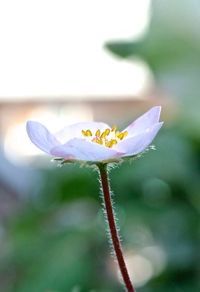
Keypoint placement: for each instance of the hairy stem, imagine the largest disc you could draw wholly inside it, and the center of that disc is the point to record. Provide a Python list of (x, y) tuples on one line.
[(112, 227)]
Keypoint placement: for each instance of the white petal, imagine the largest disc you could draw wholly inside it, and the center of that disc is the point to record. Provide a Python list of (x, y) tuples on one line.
[(81, 149), (145, 121), (40, 136), (138, 143), (75, 130)]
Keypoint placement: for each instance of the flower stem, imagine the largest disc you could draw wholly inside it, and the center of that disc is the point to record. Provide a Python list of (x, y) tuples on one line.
[(112, 227)]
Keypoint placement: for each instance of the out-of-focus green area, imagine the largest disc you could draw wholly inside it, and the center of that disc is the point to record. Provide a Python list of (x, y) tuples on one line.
[(56, 239)]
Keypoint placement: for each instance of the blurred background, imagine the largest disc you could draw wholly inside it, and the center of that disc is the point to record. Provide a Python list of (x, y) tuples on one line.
[(68, 61)]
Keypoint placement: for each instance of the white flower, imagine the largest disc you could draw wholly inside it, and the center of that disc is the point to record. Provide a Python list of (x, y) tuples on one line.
[(96, 141)]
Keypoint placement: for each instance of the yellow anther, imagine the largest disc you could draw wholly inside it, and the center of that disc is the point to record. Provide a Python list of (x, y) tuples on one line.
[(114, 128), (125, 134), (98, 133), (97, 140), (117, 133), (107, 131), (88, 133), (108, 144), (120, 136), (112, 142), (103, 135), (84, 133)]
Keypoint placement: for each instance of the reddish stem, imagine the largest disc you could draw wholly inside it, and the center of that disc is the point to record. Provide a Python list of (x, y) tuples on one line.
[(113, 229)]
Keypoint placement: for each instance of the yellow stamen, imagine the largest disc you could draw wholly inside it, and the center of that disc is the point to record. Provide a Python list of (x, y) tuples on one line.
[(106, 138), (117, 133), (114, 128), (103, 135), (97, 140), (121, 136), (98, 133), (88, 133), (125, 134), (112, 142), (84, 133), (107, 131)]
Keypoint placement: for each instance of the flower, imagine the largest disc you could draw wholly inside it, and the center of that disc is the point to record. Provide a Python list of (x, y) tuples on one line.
[(96, 141)]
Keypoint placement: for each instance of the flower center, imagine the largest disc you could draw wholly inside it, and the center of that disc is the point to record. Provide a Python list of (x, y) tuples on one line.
[(108, 138)]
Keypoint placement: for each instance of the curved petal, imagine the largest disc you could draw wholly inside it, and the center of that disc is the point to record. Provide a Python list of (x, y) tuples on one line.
[(145, 121), (75, 130), (40, 136), (81, 149), (138, 143)]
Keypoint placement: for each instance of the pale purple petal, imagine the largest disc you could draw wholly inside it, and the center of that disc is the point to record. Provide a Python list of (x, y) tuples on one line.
[(40, 136), (138, 143), (75, 130), (81, 149), (145, 121)]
